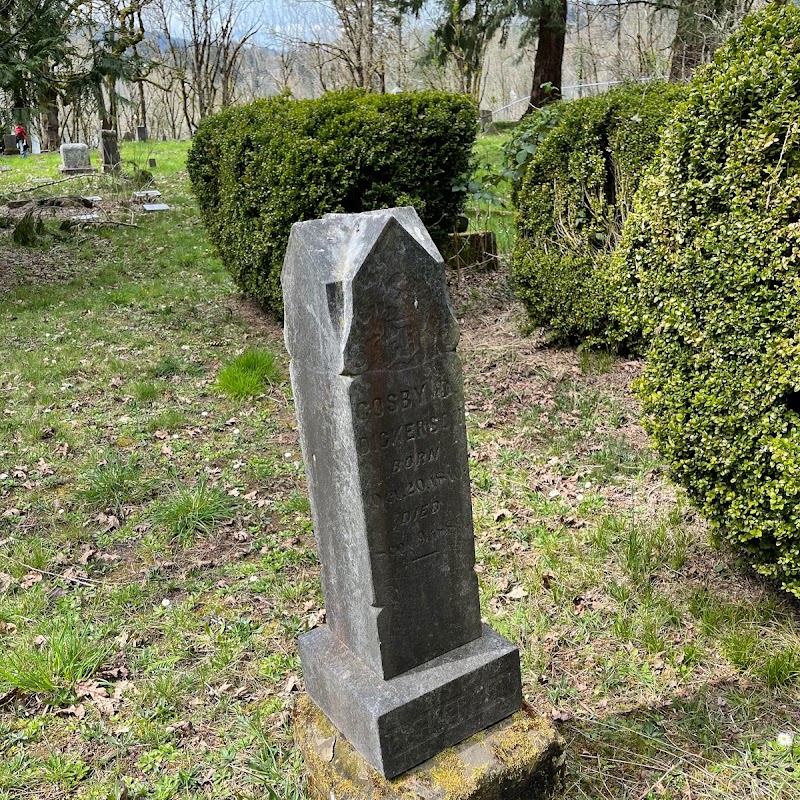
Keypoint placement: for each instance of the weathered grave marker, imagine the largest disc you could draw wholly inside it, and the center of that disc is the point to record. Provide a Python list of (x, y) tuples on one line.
[(404, 667), (10, 144), (141, 133), (75, 159), (109, 151)]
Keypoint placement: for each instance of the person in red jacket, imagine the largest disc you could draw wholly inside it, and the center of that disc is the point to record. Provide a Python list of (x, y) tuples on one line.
[(22, 139)]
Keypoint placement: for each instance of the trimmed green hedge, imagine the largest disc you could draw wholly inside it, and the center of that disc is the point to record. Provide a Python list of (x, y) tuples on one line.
[(574, 197), (714, 243), (257, 169)]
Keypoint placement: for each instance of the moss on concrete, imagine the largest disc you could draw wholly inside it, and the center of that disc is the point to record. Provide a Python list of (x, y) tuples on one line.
[(523, 760)]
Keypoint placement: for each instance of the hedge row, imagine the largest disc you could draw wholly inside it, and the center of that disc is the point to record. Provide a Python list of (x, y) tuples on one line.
[(257, 169), (714, 245), (573, 200)]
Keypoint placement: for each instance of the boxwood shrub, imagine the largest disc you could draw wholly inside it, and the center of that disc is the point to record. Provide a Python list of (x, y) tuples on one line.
[(259, 168), (573, 199), (714, 242)]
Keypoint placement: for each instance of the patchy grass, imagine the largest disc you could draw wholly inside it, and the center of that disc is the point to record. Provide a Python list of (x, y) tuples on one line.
[(157, 557)]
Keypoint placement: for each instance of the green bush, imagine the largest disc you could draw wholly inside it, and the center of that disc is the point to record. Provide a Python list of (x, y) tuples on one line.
[(575, 194), (714, 244), (257, 169)]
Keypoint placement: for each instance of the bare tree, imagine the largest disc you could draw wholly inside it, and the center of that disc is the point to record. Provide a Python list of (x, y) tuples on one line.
[(204, 44)]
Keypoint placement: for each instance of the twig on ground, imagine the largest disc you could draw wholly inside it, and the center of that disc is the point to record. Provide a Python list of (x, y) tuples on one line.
[(42, 185), (83, 581)]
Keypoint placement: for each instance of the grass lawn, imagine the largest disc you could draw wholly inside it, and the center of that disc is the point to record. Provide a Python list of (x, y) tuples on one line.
[(157, 557)]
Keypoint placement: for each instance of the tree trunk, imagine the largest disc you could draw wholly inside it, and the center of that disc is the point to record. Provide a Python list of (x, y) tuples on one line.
[(549, 54), (696, 36)]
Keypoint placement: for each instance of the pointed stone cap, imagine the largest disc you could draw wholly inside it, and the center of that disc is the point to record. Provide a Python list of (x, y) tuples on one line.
[(344, 315)]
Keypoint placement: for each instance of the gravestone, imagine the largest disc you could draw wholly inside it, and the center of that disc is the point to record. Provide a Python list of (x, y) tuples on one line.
[(75, 159), (141, 133), (404, 668), (127, 136), (109, 151), (485, 119), (10, 144)]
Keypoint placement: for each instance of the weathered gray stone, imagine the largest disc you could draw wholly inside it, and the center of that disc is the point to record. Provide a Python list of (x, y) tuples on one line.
[(109, 151), (379, 396), (399, 723), (141, 133), (519, 758), (75, 159), (10, 144)]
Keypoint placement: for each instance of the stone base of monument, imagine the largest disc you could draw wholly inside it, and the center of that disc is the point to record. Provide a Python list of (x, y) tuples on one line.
[(397, 724), (77, 170), (520, 758)]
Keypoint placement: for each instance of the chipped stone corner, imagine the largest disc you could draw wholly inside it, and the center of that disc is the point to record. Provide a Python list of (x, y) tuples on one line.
[(519, 758)]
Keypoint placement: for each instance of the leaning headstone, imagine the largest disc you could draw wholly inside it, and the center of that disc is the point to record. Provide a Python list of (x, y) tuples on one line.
[(141, 133), (109, 151), (404, 668), (127, 136), (10, 144), (75, 159)]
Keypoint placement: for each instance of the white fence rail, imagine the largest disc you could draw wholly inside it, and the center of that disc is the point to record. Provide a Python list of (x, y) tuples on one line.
[(514, 110)]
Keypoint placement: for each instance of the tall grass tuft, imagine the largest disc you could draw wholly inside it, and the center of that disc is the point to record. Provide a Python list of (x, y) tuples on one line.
[(192, 510), (250, 374), (70, 651), (111, 484)]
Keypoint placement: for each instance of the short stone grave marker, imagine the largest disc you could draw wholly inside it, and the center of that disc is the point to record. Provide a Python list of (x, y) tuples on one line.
[(75, 159)]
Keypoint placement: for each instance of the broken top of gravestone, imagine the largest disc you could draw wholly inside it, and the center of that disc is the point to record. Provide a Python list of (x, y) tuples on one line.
[(75, 159), (404, 667)]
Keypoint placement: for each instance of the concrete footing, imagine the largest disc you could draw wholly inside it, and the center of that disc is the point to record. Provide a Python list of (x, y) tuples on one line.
[(519, 758)]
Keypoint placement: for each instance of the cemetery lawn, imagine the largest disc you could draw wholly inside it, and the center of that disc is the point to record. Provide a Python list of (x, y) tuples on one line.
[(157, 557)]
